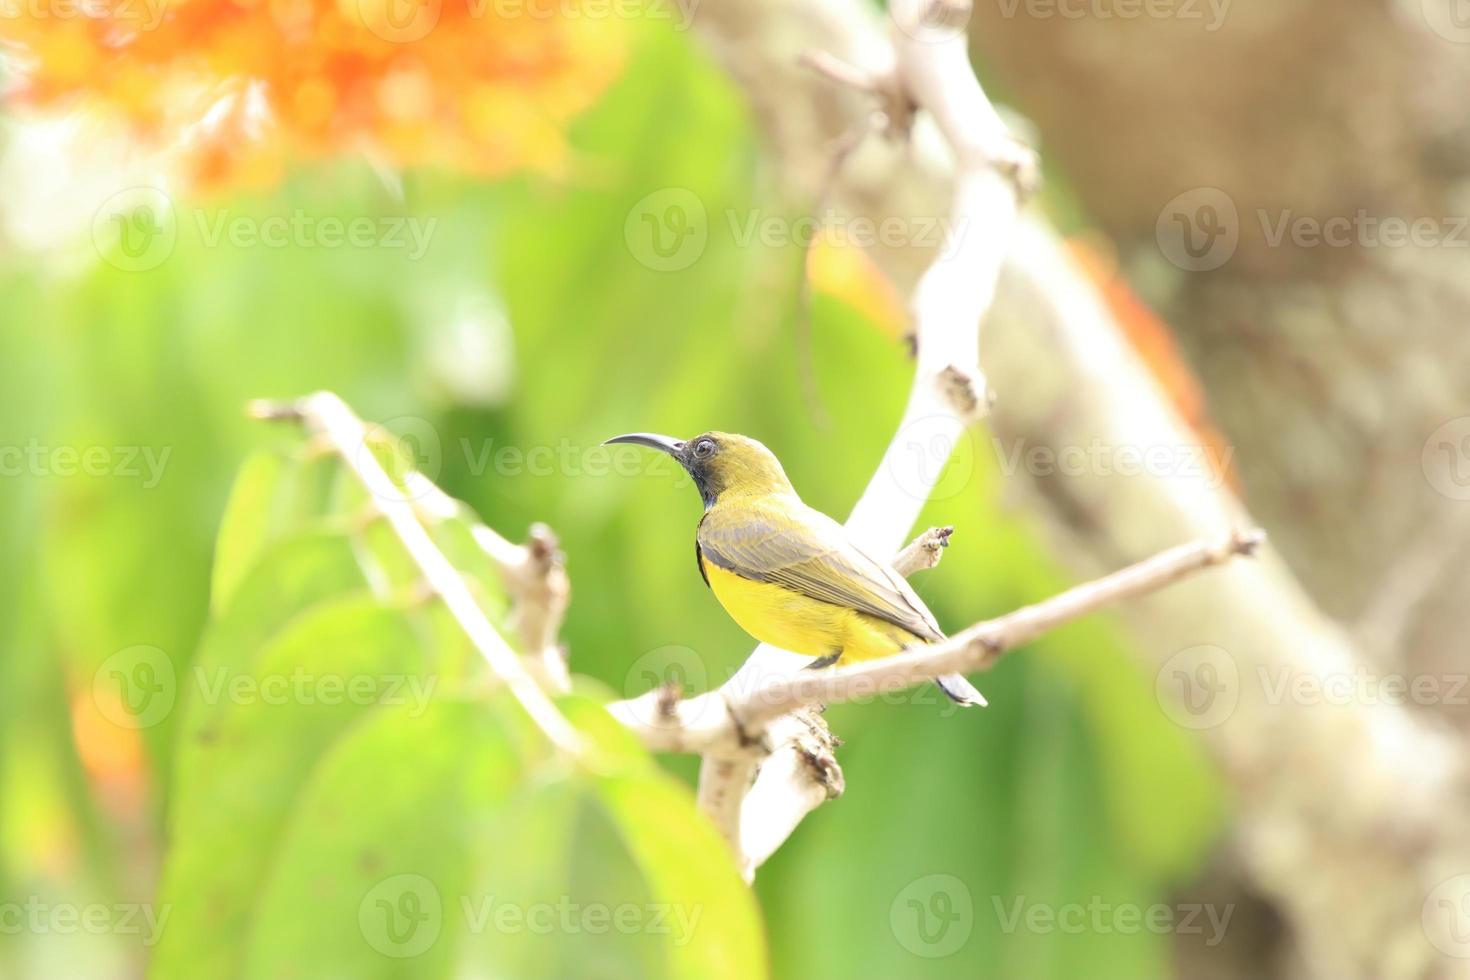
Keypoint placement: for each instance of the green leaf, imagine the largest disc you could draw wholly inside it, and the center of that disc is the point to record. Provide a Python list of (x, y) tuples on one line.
[(340, 810), (430, 847), (681, 856), (713, 917), (245, 525), (380, 848), (611, 873), (294, 574), (267, 718)]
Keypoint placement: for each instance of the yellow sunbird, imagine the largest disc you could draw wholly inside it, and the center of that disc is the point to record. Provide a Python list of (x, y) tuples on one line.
[(787, 574)]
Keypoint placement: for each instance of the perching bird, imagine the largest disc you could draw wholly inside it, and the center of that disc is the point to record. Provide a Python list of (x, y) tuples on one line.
[(788, 574)]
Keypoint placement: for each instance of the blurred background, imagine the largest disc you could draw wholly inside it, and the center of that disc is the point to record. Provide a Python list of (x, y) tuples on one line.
[(509, 230)]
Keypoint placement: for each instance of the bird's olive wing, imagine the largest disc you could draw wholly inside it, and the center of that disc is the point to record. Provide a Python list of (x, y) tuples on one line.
[(808, 552)]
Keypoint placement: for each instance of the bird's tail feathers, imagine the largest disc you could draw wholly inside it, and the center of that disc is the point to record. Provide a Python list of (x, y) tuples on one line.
[(960, 690), (955, 687)]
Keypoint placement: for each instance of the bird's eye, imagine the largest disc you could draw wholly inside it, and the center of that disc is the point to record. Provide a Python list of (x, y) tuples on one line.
[(703, 448)]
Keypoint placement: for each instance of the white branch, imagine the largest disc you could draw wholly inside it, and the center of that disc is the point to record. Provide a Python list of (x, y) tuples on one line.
[(977, 647), (993, 172), (328, 417), (534, 575), (802, 772), (666, 722), (724, 781), (923, 552), (733, 721), (800, 775), (769, 757)]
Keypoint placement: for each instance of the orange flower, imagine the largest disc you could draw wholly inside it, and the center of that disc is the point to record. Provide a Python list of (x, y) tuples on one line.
[(483, 86)]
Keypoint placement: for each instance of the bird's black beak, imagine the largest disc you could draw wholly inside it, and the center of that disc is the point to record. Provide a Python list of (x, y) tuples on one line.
[(665, 444)]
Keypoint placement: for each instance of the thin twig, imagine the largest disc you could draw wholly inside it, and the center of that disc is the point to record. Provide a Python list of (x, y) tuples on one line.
[(829, 65), (739, 726), (534, 574), (978, 647), (326, 415), (923, 552)]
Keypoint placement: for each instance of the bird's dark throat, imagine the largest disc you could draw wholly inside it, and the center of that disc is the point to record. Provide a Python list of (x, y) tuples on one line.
[(703, 482)]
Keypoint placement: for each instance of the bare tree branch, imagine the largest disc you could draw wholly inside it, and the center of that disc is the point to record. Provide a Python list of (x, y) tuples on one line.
[(325, 415), (799, 776), (790, 770), (923, 552), (979, 646), (742, 731), (993, 173), (534, 575), (739, 727)]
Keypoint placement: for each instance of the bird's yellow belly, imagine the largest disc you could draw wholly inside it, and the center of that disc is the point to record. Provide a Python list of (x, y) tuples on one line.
[(789, 620)]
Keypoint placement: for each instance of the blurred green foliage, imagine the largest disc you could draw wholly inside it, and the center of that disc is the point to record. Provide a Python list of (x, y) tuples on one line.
[(249, 823)]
